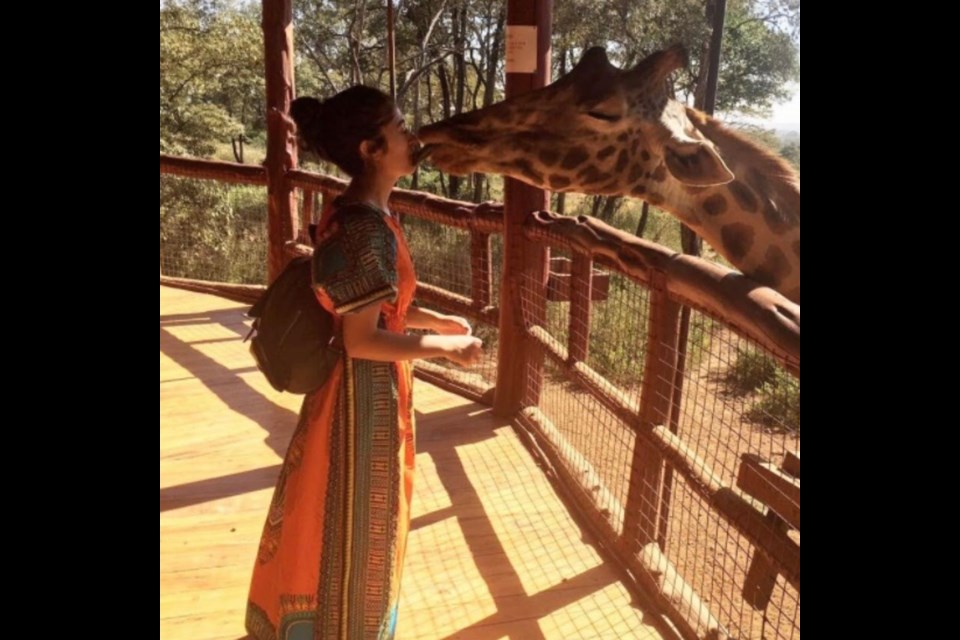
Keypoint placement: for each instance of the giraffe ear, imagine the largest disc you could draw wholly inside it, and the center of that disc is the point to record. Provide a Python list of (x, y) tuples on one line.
[(696, 163)]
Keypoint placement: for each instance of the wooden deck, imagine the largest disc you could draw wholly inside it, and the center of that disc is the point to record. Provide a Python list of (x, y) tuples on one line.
[(493, 552)]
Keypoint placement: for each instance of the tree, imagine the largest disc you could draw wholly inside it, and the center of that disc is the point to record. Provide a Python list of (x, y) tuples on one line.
[(211, 76)]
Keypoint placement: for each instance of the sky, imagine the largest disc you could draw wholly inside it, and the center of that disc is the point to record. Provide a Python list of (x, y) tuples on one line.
[(787, 112), (784, 117)]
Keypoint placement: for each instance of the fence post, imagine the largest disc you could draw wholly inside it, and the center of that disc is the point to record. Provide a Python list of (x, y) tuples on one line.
[(641, 521), (520, 361), (277, 26)]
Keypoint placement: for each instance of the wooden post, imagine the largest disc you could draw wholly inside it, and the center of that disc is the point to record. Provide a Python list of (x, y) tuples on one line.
[(281, 148), (480, 269), (581, 294), (656, 395), (520, 362), (306, 215)]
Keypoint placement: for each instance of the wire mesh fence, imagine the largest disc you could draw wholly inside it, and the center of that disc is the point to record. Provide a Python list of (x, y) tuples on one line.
[(444, 257), (730, 403), (737, 402), (213, 231)]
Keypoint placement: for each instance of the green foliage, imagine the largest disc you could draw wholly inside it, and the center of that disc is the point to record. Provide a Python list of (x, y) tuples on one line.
[(791, 151), (751, 370), (211, 75), (777, 404), (211, 231), (775, 394), (760, 51)]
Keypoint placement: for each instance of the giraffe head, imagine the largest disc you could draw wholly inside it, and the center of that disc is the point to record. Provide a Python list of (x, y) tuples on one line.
[(600, 130), (597, 130)]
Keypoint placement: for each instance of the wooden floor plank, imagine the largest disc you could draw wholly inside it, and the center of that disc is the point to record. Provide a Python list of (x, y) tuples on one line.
[(492, 553)]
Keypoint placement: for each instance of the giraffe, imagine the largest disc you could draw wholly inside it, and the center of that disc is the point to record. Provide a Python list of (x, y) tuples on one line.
[(600, 130)]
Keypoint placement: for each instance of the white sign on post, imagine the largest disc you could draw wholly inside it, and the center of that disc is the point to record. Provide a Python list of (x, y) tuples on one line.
[(521, 49)]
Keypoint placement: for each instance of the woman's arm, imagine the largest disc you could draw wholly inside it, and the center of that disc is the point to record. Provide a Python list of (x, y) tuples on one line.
[(364, 340), (419, 318)]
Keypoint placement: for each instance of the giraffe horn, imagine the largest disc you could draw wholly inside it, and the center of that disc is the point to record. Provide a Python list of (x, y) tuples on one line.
[(657, 66)]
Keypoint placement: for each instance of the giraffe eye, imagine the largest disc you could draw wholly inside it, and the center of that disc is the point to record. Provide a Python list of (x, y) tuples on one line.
[(603, 116)]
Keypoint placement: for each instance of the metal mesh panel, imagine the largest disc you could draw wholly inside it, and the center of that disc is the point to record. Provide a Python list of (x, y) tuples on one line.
[(441, 254), (588, 429), (736, 400), (714, 559), (616, 336), (442, 257), (213, 231)]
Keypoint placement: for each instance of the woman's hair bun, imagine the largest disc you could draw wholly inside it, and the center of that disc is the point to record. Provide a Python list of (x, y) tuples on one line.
[(308, 114)]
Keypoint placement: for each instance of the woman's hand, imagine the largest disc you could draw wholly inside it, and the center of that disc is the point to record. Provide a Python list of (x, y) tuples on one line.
[(464, 350), (452, 326)]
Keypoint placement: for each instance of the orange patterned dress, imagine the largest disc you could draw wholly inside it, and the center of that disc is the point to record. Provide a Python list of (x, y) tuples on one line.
[(332, 548)]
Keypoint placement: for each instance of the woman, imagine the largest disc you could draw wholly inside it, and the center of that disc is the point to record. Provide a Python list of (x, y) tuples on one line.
[(332, 548)]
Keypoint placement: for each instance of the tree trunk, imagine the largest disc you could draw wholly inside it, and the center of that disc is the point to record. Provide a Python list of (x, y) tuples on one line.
[(644, 218), (237, 144), (489, 91), (610, 207), (447, 112), (460, 76)]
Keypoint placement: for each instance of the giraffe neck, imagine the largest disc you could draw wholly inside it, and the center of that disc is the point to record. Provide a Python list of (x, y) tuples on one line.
[(753, 221)]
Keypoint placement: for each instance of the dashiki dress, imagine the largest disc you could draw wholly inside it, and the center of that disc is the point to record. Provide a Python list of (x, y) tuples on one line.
[(332, 548)]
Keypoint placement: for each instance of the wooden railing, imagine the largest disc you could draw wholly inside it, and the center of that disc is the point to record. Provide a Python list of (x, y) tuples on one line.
[(631, 529)]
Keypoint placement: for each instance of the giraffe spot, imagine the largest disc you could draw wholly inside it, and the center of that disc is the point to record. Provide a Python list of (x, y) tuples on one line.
[(715, 205), (525, 168), (776, 220), (743, 196), (549, 157), (737, 239), (774, 269), (645, 155), (660, 173), (592, 175), (622, 160), (655, 199), (635, 172), (559, 182), (758, 182), (622, 137), (606, 152), (634, 145), (796, 248), (574, 158), (638, 190)]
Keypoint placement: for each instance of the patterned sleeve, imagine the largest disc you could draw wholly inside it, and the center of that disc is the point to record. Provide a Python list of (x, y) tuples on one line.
[(355, 260)]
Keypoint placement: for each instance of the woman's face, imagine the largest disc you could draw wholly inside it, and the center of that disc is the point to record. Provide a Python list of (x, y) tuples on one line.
[(397, 158)]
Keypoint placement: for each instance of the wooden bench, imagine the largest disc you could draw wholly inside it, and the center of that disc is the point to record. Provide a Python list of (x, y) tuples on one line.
[(779, 489)]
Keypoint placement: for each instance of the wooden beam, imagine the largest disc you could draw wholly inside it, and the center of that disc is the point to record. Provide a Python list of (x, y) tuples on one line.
[(523, 291), (212, 170), (778, 490), (281, 149), (656, 396), (775, 544), (758, 313), (791, 463)]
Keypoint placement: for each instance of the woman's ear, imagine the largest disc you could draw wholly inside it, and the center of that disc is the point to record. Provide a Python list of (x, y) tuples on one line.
[(369, 150)]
